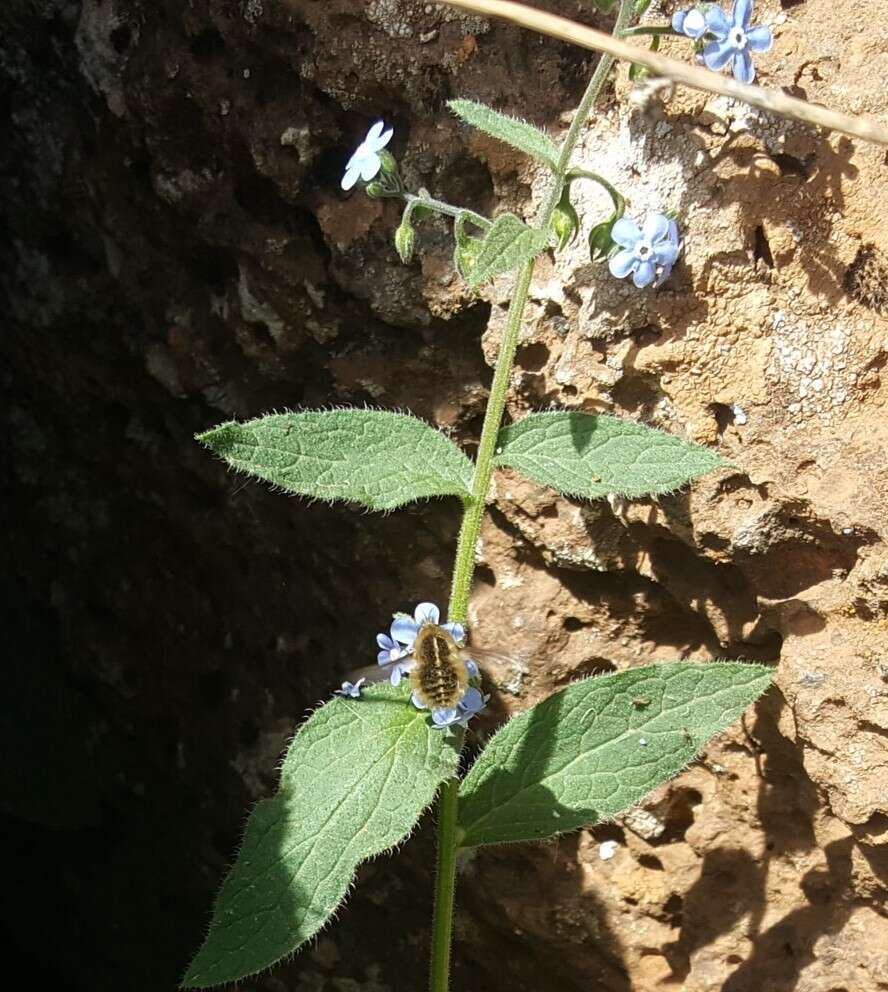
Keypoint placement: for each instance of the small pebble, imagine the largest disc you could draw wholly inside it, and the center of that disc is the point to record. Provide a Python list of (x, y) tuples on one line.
[(607, 849)]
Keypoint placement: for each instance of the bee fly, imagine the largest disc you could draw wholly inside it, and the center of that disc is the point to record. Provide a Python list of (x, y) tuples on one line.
[(439, 669), (440, 675)]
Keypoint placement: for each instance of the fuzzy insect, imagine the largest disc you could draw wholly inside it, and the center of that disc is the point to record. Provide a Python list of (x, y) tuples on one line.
[(440, 675), (439, 668)]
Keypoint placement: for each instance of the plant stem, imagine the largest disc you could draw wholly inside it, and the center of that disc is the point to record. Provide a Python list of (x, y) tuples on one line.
[(652, 29), (445, 886), (476, 505), (439, 206), (464, 565)]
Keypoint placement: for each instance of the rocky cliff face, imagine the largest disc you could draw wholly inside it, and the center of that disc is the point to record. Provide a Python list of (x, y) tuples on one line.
[(177, 252)]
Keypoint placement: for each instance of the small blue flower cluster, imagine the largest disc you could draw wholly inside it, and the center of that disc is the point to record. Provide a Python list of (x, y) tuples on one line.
[(396, 656), (728, 40), (396, 649)]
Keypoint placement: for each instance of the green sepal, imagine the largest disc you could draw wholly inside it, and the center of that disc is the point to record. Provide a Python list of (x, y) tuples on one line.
[(601, 242), (565, 222)]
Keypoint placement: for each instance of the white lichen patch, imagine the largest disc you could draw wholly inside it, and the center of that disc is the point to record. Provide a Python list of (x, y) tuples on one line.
[(816, 361)]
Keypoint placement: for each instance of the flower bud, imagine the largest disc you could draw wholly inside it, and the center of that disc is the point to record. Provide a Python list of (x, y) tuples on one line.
[(405, 240), (565, 222), (466, 254), (387, 164), (374, 190), (601, 242)]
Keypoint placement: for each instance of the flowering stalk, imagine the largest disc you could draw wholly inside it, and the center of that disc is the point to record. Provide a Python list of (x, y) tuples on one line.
[(476, 504)]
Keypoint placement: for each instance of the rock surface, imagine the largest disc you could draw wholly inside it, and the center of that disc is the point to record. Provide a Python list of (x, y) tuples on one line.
[(177, 253)]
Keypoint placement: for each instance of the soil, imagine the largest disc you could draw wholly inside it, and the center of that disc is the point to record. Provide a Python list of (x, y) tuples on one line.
[(176, 252)]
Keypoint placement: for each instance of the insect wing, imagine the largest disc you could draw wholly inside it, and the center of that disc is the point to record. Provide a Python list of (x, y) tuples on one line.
[(373, 673)]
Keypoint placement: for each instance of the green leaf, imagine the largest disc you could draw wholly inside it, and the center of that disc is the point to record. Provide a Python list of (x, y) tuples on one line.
[(508, 244), (594, 455), (513, 131), (373, 457), (597, 747), (356, 779)]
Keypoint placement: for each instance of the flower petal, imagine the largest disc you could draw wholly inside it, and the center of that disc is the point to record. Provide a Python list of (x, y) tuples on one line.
[(622, 263), (744, 70), (678, 21), (717, 54), (426, 613), (665, 253), (656, 227), (761, 39), (444, 718), (694, 24), (351, 175), (370, 166), (674, 235), (417, 702), (644, 274), (665, 273), (742, 13), (472, 668), (379, 143), (385, 642), (456, 631), (374, 133), (473, 701), (626, 232), (717, 22), (404, 630)]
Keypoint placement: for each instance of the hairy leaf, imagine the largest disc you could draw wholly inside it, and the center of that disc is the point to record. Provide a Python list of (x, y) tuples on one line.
[(513, 131), (373, 457), (356, 778), (594, 455), (597, 747), (508, 244)]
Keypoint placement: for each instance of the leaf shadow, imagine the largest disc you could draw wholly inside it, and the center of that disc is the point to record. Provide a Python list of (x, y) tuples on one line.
[(255, 912), (735, 884), (582, 427)]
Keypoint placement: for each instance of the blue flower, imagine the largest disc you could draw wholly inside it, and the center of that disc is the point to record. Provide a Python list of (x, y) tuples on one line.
[(405, 628), (398, 643), (648, 252), (365, 163), (735, 39), (689, 22), (472, 703), (390, 651), (352, 691)]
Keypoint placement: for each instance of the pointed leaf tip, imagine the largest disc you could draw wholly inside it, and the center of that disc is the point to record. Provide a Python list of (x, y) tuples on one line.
[(596, 455), (592, 750), (356, 778)]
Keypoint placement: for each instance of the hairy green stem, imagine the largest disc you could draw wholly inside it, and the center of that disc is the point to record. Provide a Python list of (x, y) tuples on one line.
[(615, 195), (476, 505), (445, 886), (440, 207)]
